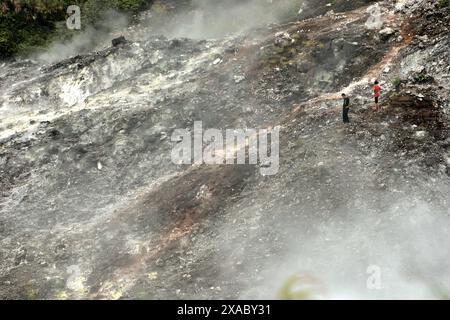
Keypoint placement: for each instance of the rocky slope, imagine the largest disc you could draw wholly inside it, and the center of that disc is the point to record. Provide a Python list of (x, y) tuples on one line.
[(93, 207)]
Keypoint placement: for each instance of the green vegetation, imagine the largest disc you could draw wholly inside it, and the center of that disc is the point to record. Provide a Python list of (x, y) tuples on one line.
[(423, 78), (396, 83), (28, 24), (29, 292), (444, 3), (300, 287), (93, 9), (441, 293)]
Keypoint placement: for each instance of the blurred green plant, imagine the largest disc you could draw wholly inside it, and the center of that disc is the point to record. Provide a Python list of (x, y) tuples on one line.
[(422, 78), (29, 292), (438, 289), (443, 3), (160, 8), (301, 287), (396, 83)]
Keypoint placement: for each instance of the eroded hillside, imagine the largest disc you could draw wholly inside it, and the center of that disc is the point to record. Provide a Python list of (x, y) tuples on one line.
[(93, 207)]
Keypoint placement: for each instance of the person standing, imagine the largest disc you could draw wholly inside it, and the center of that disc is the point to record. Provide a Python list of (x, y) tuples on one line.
[(345, 108), (376, 94)]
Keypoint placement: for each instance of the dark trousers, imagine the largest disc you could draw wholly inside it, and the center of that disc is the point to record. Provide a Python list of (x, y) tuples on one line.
[(345, 115)]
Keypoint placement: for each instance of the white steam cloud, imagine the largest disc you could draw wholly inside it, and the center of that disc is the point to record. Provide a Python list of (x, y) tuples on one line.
[(213, 18), (87, 40)]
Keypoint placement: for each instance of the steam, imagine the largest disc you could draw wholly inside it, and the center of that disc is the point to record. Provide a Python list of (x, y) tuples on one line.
[(87, 40), (208, 19), (404, 236), (402, 233), (217, 18)]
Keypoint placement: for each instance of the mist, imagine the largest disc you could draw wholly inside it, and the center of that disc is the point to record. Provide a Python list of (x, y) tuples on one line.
[(204, 19), (88, 39), (208, 19), (93, 207), (403, 234)]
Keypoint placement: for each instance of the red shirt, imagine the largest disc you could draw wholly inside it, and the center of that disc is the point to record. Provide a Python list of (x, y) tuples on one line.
[(376, 90)]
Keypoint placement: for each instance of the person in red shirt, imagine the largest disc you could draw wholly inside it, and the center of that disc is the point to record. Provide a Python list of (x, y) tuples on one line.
[(376, 94)]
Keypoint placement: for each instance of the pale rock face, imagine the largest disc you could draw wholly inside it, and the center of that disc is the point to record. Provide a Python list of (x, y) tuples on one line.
[(420, 134), (400, 4), (375, 21), (387, 31)]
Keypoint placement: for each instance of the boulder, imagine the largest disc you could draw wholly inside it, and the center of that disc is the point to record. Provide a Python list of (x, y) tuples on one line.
[(118, 41), (386, 33)]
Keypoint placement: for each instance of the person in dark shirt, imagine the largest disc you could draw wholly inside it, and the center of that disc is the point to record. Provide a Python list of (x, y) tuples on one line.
[(345, 108)]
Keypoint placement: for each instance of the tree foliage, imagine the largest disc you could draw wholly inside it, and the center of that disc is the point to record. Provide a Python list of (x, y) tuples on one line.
[(30, 23)]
